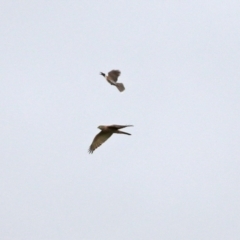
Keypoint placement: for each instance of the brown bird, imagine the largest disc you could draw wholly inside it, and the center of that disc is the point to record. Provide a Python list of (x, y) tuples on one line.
[(106, 132), (112, 79)]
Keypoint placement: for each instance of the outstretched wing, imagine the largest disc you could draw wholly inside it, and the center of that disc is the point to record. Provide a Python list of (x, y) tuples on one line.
[(115, 126), (113, 75), (120, 87), (99, 139)]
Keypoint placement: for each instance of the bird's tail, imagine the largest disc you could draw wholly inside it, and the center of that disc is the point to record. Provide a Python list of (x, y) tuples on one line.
[(121, 132), (120, 87)]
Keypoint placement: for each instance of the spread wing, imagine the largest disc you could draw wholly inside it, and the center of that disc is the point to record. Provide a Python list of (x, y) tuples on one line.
[(99, 139), (115, 126), (114, 74)]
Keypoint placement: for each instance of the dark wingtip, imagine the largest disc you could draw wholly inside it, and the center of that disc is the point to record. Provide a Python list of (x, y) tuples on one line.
[(90, 151)]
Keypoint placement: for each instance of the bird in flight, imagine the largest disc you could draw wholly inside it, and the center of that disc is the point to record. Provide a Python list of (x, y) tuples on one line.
[(112, 79), (106, 132)]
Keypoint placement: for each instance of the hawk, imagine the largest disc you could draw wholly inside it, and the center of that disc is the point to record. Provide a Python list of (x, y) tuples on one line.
[(106, 132), (112, 79)]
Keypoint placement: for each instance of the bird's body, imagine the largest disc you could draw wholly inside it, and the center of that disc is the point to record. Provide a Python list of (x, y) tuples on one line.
[(112, 78), (106, 132)]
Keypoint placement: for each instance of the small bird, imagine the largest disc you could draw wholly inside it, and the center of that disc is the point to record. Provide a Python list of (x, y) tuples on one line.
[(106, 132), (112, 79)]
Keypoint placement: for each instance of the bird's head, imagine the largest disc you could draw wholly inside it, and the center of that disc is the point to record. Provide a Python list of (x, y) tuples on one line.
[(101, 127), (103, 74)]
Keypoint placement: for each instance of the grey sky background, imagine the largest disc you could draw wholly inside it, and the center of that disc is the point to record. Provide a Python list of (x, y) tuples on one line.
[(176, 177)]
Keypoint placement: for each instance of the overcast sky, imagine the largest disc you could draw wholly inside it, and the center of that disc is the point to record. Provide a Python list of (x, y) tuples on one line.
[(176, 177)]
